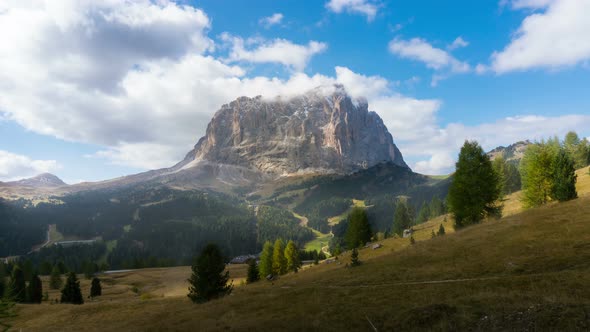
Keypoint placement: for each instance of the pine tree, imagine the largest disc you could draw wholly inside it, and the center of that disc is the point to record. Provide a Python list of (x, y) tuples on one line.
[(441, 230), (359, 231), (35, 290), (71, 292), (55, 281), (354, 258), (6, 311), (208, 280), (412, 240), (292, 255), (279, 262), (563, 177), (17, 288), (424, 214), (28, 270), (474, 192), (45, 268), (432, 234), (265, 266), (95, 288), (401, 219), (253, 273)]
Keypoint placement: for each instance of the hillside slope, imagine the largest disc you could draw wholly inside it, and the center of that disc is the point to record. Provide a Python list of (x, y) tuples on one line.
[(528, 271)]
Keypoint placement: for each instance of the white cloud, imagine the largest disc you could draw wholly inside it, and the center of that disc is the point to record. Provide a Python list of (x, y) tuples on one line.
[(534, 4), (15, 166), (438, 59), (277, 50), (554, 38), (441, 145), (363, 7), (459, 42), (271, 20)]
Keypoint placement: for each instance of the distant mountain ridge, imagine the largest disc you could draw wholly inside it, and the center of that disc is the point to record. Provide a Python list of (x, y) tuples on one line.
[(513, 152), (44, 180)]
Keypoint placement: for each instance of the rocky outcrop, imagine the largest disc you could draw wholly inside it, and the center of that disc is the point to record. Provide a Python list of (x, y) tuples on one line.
[(513, 152), (45, 180), (315, 132)]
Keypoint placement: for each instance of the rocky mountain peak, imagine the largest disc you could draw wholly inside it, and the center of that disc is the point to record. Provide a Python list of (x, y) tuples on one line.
[(41, 180), (323, 130)]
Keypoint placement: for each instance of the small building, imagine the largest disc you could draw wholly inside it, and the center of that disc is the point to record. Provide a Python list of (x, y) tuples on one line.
[(408, 232)]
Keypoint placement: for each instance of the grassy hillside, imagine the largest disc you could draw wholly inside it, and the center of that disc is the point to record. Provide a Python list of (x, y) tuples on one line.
[(527, 271)]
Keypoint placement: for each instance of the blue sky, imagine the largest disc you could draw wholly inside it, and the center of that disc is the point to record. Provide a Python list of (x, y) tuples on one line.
[(96, 90)]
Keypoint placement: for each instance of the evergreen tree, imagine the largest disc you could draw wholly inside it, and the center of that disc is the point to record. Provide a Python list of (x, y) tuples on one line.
[(424, 214), (265, 266), (432, 234), (441, 230), (6, 311), (253, 273), (412, 240), (358, 231), (401, 218), (536, 173), (474, 192), (45, 268), (17, 289), (577, 149), (354, 258), (279, 262), (292, 255), (71, 292), (499, 166), (95, 288), (564, 178), (436, 207), (35, 290), (208, 280), (512, 181), (28, 269), (55, 281)]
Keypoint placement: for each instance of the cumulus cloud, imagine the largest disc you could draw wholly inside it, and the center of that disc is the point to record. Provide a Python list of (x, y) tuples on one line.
[(441, 145), (554, 38), (362, 7), (15, 166), (271, 20), (278, 50)]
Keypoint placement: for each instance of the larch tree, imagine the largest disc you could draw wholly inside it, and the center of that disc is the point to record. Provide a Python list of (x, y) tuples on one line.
[(292, 255), (536, 169), (279, 262), (265, 266), (474, 192), (209, 279)]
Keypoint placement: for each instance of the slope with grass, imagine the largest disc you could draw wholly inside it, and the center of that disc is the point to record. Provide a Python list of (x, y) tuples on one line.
[(527, 271)]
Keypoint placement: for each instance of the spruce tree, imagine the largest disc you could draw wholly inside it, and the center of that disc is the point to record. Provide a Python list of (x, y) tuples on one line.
[(432, 234), (279, 262), (354, 257), (474, 192), (208, 280), (71, 292), (17, 288), (412, 240), (292, 255), (253, 273), (441, 230), (55, 281), (265, 267), (95, 288), (402, 219), (35, 290), (358, 231), (563, 177)]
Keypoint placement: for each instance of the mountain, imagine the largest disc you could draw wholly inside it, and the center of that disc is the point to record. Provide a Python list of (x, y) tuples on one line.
[(513, 152), (45, 180), (321, 131)]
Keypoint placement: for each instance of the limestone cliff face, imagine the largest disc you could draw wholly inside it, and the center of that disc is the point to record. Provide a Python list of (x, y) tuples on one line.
[(314, 132)]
